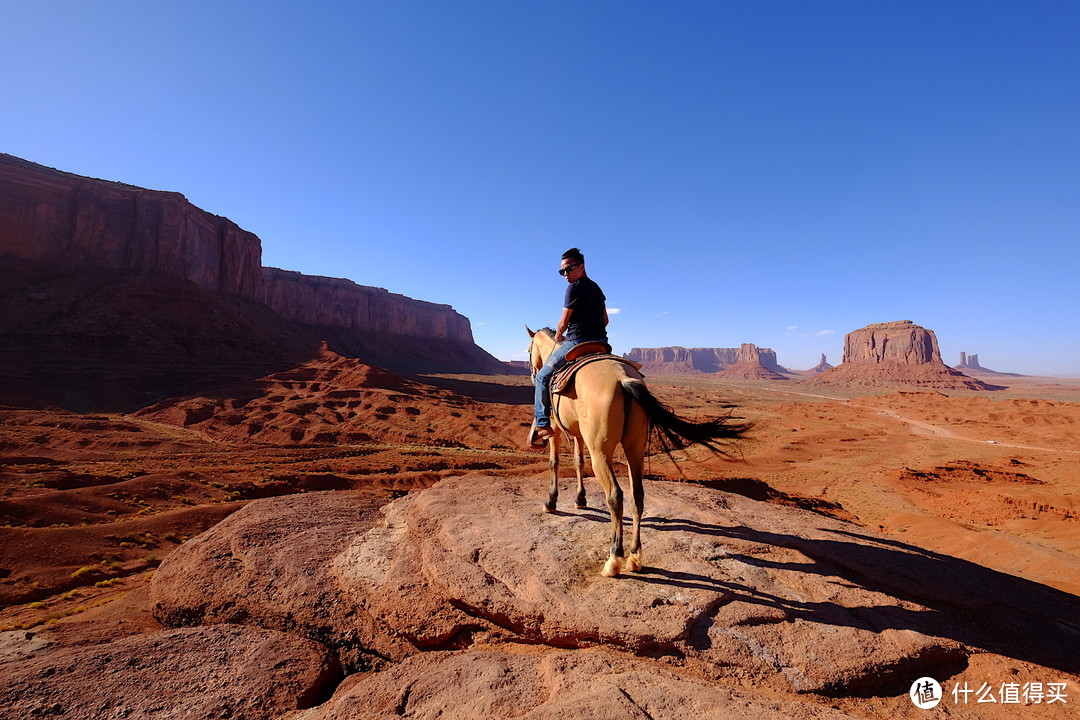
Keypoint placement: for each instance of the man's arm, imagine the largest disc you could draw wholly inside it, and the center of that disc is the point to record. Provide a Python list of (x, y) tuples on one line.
[(605, 317), (564, 322)]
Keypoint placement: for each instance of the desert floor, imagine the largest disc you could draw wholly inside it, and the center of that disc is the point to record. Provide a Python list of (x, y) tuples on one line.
[(91, 504)]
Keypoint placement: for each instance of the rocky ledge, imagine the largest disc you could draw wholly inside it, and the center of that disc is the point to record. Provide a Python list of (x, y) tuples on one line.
[(467, 595)]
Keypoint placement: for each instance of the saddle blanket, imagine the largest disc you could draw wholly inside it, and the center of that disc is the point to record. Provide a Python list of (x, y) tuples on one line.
[(563, 379)]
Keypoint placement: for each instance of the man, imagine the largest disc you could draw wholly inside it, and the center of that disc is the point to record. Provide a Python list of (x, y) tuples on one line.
[(584, 319)]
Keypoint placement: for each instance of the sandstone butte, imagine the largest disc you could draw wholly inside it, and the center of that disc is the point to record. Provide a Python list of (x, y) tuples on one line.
[(897, 353), (747, 361)]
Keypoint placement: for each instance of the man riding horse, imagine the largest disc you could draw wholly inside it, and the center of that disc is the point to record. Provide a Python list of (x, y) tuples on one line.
[(606, 405), (584, 319)]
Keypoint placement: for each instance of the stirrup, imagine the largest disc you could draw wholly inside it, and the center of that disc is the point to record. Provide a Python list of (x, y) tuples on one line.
[(538, 436)]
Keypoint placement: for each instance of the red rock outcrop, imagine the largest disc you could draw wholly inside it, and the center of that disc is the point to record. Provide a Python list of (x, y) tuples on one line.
[(528, 682), (208, 672), (969, 364), (897, 353), (821, 366), (155, 297), (792, 604), (330, 400), (340, 303), (73, 223), (900, 342), (753, 361)]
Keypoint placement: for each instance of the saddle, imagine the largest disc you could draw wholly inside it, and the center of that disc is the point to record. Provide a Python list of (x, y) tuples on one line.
[(580, 356)]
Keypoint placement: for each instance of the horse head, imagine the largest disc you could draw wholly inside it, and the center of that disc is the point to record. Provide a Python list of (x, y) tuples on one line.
[(541, 343)]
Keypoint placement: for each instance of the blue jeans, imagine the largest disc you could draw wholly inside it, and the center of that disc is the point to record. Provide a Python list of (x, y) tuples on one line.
[(542, 401)]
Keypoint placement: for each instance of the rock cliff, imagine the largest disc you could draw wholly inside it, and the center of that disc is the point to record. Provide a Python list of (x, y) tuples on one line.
[(902, 342), (676, 360), (340, 303), (74, 223), (898, 352), (155, 297)]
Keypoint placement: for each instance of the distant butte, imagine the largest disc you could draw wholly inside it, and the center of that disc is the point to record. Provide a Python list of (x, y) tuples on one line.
[(969, 364), (894, 353), (747, 361), (820, 367)]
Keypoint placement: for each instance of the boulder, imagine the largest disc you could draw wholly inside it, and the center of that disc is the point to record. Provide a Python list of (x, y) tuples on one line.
[(207, 672)]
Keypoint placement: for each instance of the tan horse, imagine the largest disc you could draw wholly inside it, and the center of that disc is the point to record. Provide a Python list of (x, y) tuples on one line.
[(609, 406)]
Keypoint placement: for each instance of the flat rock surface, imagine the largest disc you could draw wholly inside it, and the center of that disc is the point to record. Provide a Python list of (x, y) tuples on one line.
[(207, 672), (270, 566), (473, 554), (532, 683), (754, 595)]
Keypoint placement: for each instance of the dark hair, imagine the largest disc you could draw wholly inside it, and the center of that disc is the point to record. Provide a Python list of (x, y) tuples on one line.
[(573, 254)]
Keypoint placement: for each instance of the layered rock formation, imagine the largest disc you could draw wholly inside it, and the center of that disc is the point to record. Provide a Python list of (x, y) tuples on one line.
[(74, 223), (340, 303), (154, 297), (745, 361), (897, 353)]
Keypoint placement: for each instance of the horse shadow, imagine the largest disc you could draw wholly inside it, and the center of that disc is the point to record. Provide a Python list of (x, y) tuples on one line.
[(979, 607)]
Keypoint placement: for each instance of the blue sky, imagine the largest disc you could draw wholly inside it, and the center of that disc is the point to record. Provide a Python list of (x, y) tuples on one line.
[(776, 172)]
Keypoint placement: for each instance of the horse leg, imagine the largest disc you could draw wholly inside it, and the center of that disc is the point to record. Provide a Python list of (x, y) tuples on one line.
[(579, 463), (553, 466), (606, 475), (635, 464), (635, 441)]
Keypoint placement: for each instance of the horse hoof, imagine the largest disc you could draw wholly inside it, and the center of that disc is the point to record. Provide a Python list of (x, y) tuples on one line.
[(549, 509), (633, 563), (612, 568), (581, 506)]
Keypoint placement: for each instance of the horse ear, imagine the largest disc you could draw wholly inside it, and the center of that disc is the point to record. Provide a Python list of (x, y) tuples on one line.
[(531, 333)]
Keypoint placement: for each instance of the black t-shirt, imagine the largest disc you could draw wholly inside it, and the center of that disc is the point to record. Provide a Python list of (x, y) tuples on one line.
[(586, 299)]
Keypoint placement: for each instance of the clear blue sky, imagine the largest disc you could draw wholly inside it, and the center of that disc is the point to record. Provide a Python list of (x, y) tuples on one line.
[(778, 172)]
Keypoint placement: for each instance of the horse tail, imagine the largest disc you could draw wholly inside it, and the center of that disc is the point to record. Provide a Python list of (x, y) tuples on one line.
[(674, 432)]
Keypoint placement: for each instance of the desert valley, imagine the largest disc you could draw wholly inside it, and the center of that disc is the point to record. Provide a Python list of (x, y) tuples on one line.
[(230, 491)]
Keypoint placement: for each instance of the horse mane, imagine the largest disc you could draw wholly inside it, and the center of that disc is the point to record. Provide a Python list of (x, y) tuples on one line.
[(549, 331)]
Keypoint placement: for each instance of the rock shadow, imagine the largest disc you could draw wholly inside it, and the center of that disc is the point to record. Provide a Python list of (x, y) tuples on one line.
[(966, 602)]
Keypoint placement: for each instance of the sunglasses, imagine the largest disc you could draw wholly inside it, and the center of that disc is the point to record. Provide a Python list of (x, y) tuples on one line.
[(568, 269)]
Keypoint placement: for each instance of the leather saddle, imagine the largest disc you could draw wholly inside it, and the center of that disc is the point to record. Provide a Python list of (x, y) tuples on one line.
[(580, 356)]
